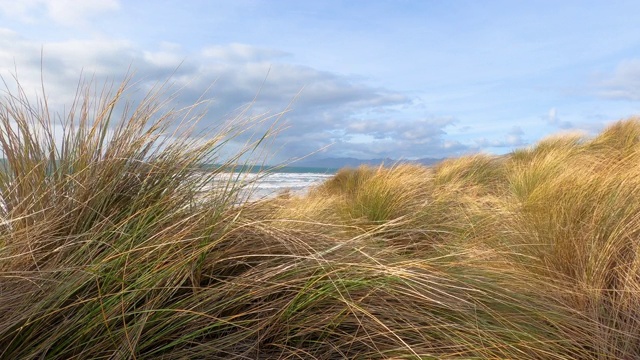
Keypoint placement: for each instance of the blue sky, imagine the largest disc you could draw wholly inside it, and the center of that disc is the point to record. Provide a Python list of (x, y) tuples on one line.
[(371, 79)]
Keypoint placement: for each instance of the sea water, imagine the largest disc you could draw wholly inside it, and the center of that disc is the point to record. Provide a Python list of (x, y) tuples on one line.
[(260, 184)]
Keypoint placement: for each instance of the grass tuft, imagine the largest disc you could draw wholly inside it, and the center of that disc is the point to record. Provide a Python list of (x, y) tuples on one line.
[(116, 242)]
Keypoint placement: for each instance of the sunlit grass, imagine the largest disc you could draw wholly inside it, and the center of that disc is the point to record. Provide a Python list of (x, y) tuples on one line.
[(114, 244)]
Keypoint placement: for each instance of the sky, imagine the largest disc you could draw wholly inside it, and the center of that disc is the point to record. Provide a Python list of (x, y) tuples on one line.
[(402, 79)]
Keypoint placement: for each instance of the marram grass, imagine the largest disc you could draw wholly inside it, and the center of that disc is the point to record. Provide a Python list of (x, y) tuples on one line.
[(113, 245)]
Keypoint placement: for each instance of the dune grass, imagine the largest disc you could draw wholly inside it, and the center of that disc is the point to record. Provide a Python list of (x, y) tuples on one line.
[(114, 245)]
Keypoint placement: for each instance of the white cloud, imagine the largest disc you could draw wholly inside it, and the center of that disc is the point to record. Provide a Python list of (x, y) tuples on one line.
[(61, 64), (624, 83), (72, 12), (553, 115), (64, 12), (513, 138), (391, 137), (241, 52), (169, 55), (329, 107), (26, 10), (554, 120)]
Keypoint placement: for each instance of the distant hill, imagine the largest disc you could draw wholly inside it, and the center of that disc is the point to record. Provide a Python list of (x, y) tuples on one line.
[(337, 163)]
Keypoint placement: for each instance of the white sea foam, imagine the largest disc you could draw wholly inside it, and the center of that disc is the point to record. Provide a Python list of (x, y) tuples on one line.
[(268, 185), (274, 183)]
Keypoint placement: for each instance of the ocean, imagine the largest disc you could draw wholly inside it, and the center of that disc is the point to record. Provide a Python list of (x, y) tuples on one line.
[(269, 183)]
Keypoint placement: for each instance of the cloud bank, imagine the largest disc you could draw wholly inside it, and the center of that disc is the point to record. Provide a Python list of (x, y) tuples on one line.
[(324, 109)]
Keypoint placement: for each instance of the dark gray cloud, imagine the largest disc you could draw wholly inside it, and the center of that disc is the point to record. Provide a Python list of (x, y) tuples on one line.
[(340, 113)]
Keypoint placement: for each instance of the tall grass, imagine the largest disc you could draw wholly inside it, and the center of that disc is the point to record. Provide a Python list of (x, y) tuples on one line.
[(114, 244), (107, 222), (554, 227)]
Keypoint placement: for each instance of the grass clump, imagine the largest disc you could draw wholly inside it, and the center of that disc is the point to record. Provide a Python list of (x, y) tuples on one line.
[(106, 223), (554, 227), (115, 243)]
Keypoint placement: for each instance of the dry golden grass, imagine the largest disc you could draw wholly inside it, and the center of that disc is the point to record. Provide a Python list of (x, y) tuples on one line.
[(559, 220), (111, 246)]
